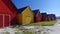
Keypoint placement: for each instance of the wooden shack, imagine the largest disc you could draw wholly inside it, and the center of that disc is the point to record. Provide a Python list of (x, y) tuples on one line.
[(52, 16), (48, 18), (44, 16), (37, 15), (25, 16), (7, 12)]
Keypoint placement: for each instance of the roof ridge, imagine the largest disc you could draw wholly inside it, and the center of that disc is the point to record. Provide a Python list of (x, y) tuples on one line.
[(21, 9)]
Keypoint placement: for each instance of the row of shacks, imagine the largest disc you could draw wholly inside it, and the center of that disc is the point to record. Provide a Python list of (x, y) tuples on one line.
[(10, 15), (26, 16)]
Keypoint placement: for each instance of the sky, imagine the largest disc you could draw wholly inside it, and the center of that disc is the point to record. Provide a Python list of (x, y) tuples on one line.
[(48, 6)]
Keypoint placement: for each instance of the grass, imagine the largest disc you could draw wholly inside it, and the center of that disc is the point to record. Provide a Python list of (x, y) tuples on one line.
[(45, 23), (27, 32)]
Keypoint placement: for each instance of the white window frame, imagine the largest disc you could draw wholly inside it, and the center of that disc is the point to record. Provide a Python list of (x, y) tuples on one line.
[(3, 15)]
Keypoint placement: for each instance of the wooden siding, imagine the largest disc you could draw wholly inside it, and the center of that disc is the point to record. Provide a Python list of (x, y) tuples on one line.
[(27, 16), (48, 18), (52, 16), (19, 18), (38, 17), (44, 17), (7, 7)]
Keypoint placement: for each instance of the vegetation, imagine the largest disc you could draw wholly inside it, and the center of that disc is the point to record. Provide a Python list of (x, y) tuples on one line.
[(22, 30), (45, 23), (5, 33)]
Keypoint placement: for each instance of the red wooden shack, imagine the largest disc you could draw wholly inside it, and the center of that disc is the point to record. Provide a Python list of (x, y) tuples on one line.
[(7, 12), (52, 16), (44, 16), (48, 17), (37, 16)]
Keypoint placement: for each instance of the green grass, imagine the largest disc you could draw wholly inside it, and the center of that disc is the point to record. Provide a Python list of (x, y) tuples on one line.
[(45, 23), (27, 32)]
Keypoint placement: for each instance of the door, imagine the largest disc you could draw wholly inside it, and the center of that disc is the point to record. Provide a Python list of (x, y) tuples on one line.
[(28, 20), (6, 21), (1, 21)]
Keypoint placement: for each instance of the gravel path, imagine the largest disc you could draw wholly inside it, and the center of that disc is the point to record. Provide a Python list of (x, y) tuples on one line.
[(58, 23), (54, 29), (49, 29)]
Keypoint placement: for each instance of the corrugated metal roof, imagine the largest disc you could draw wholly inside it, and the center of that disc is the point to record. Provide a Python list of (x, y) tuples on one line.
[(35, 12), (51, 16), (43, 14), (21, 10)]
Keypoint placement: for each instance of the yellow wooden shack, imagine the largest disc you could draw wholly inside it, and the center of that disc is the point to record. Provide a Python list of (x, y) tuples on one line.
[(25, 16)]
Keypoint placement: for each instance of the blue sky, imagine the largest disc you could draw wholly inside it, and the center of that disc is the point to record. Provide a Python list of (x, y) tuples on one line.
[(49, 6)]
